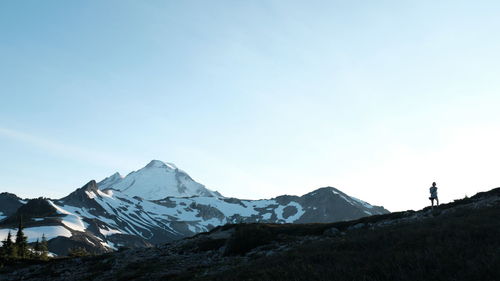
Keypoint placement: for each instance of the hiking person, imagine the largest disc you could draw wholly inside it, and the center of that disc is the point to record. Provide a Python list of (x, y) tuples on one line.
[(434, 194)]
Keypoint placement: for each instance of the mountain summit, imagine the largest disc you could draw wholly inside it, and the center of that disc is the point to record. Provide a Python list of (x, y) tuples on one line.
[(157, 180)]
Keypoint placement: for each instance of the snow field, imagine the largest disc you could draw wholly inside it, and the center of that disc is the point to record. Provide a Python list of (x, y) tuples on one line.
[(34, 233)]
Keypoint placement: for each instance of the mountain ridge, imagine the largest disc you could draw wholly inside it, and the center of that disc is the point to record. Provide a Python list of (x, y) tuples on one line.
[(105, 219)]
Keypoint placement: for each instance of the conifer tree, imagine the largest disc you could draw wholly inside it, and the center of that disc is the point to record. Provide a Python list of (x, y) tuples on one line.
[(44, 248), (9, 249), (21, 242), (37, 245), (36, 248), (3, 249)]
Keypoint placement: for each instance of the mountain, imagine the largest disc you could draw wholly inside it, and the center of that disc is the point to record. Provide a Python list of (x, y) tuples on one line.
[(104, 216), (455, 241), (156, 181)]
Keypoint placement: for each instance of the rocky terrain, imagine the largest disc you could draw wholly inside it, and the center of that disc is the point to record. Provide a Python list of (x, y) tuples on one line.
[(455, 241)]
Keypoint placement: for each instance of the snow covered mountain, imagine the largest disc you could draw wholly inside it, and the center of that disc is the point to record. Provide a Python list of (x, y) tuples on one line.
[(103, 217), (156, 181)]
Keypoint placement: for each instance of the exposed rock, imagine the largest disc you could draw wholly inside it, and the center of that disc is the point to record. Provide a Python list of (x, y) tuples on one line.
[(333, 231)]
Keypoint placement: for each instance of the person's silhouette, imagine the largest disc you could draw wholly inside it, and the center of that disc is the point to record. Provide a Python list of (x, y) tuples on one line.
[(434, 194)]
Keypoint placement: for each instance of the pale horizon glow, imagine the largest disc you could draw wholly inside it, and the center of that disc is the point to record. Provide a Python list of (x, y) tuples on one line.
[(253, 99)]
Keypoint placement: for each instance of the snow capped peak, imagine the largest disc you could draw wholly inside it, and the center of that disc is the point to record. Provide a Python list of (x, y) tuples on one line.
[(116, 176), (110, 181), (155, 181), (156, 164), (82, 193), (171, 165), (325, 190), (161, 164)]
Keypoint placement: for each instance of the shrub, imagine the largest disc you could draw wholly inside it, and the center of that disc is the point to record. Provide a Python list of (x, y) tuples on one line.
[(78, 252)]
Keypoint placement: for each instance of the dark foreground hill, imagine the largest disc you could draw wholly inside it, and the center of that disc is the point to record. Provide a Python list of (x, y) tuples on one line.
[(456, 241)]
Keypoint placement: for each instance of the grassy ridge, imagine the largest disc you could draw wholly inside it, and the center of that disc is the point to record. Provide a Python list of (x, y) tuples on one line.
[(464, 245)]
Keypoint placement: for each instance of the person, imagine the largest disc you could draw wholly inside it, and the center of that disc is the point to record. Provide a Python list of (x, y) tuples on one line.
[(434, 194)]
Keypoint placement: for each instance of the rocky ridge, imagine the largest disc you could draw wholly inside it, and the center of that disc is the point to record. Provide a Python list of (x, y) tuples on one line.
[(104, 217)]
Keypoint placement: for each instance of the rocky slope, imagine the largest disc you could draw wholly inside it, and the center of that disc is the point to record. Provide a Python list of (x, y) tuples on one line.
[(102, 217), (456, 241), (9, 203)]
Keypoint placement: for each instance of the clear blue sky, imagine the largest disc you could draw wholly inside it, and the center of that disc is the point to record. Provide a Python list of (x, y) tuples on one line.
[(253, 98)]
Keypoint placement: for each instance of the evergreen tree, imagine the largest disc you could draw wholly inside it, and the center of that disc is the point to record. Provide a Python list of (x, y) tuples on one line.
[(3, 250), (37, 245), (21, 242), (8, 248), (36, 248), (44, 248)]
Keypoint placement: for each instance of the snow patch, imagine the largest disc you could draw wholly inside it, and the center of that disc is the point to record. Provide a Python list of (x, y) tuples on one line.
[(91, 195), (74, 222), (89, 241), (192, 228), (109, 231), (279, 212), (366, 205), (34, 233), (266, 216), (70, 220), (109, 245), (107, 193)]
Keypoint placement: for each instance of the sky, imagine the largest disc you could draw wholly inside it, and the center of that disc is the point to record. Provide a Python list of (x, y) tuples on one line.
[(253, 99)]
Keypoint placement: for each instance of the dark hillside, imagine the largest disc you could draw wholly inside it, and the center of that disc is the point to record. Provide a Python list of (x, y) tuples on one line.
[(461, 246)]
